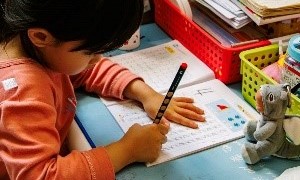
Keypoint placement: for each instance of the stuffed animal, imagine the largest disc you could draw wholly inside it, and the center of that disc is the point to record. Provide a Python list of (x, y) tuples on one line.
[(267, 136)]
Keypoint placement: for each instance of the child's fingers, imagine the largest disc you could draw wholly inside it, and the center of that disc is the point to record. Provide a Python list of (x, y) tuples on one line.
[(183, 99), (164, 126), (190, 107), (175, 117), (190, 114), (187, 103), (165, 139)]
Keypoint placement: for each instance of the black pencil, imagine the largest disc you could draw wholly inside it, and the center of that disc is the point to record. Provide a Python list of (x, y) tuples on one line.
[(170, 93)]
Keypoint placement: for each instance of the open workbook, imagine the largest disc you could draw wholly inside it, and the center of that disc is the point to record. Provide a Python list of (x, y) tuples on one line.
[(158, 65), (225, 112)]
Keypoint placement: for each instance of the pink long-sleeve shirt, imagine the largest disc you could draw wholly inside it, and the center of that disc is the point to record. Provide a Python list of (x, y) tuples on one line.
[(37, 106)]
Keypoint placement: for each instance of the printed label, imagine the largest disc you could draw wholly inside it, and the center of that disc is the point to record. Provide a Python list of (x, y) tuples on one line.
[(9, 84)]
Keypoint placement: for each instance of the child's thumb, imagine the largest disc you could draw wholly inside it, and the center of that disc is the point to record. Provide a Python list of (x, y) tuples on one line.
[(164, 126)]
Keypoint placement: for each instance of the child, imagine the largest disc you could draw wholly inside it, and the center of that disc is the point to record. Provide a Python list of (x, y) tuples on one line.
[(47, 49)]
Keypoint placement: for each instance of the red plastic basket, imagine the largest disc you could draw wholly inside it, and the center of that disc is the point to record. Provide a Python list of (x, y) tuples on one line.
[(224, 61)]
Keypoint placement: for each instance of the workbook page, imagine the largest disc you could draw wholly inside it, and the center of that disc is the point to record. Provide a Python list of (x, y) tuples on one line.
[(225, 114), (158, 66)]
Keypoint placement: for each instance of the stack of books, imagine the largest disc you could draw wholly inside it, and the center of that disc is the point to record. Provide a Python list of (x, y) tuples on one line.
[(221, 30), (233, 23), (271, 8), (269, 11), (272, 18), (227, 11)]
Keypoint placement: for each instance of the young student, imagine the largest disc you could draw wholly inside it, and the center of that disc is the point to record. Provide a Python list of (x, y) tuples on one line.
[(48, 48)]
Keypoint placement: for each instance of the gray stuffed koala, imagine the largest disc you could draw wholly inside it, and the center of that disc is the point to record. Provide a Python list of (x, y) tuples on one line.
[(267, 136)]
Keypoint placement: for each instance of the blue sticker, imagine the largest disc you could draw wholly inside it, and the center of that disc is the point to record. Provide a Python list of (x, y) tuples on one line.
[(227, 114)]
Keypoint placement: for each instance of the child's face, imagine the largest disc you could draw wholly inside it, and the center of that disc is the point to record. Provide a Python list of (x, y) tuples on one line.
[(59, 57)]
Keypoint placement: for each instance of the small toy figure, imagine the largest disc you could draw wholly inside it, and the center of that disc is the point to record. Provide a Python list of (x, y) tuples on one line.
[(267, 136)]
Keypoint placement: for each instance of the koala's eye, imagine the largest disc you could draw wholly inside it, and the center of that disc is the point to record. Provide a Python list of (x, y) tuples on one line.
[(271, 97)]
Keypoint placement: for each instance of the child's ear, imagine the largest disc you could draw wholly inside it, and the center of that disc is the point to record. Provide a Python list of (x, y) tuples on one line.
[(40, 37)]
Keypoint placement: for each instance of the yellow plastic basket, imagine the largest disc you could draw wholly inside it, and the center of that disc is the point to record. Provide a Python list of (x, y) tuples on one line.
[(253, 61)]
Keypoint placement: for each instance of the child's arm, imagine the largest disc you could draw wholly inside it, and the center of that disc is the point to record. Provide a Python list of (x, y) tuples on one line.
[(180, 110), (111, 80), (106, 78)]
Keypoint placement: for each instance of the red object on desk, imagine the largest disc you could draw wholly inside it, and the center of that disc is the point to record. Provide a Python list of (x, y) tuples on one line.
[(224, 61)]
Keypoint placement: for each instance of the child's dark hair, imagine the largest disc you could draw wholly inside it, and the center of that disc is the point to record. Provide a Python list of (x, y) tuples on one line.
[(102, 25)]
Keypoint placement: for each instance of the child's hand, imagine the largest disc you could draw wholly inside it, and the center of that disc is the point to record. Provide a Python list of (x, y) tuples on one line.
[(180, 110), (145, 142), (139, 144)]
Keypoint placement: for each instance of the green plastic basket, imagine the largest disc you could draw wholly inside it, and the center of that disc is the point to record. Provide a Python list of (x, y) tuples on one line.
[(253, 61)]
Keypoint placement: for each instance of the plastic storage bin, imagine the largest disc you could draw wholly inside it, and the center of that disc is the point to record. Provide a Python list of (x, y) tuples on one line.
[(224, 61), (252, 61)]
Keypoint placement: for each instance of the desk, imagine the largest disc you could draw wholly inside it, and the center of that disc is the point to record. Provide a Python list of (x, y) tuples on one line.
[(221, 162)]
